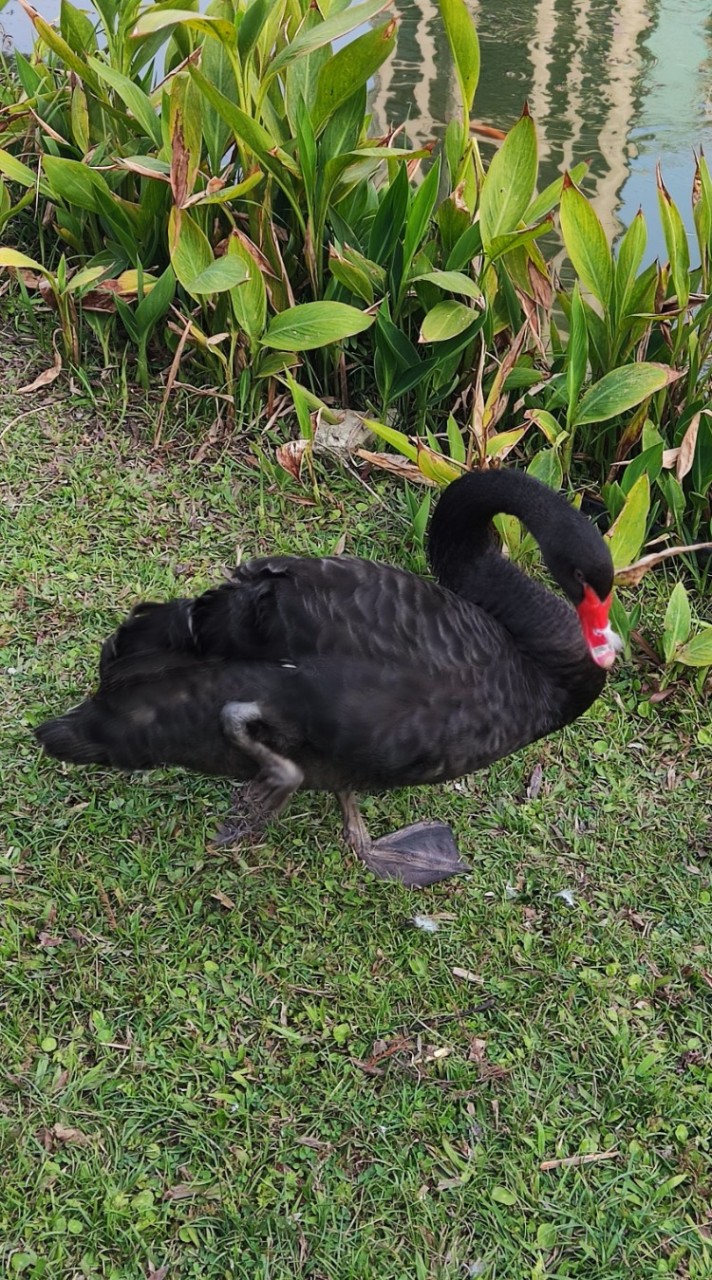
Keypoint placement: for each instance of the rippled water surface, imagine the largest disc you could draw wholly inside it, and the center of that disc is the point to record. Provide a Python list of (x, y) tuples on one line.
[(625, 84)]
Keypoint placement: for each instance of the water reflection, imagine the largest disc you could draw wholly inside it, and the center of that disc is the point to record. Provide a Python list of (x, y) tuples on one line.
[(624, 83)]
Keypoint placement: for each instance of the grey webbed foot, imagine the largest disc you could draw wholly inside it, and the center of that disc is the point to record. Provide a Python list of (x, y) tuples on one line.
[(418, 855)]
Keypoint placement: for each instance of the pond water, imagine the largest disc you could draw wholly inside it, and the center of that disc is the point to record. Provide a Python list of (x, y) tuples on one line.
[(624, 83)]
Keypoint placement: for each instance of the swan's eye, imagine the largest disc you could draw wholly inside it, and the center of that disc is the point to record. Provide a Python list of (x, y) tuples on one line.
[(579, 576)]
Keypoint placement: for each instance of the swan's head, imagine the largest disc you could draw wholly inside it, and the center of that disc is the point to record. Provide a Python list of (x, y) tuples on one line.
[(582, 565), (603, 642)]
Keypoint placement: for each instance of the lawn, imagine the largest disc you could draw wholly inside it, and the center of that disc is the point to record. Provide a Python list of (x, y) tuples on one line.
[(254, 1064)]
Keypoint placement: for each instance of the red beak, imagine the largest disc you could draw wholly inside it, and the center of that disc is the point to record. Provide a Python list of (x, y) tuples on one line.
[(602, 641)]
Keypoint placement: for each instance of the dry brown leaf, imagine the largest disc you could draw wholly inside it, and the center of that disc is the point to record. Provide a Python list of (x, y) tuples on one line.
[(478, 1050), (45, 378), (47, 940), (223, 899), (670, 457), (72, 1137), (535, 781), (686, 455), (468, 976), (402, 467), (160, 1274), (570, 1161), (633, 573), (291, 455), (340, 546)]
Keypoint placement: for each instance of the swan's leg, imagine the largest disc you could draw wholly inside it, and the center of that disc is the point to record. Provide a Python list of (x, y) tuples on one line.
[(417, 855), (264, 798)]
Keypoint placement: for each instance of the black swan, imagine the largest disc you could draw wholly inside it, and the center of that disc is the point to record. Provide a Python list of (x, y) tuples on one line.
[(345, 675)]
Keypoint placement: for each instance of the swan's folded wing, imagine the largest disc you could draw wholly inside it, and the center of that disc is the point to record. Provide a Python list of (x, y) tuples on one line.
[(286, 609)]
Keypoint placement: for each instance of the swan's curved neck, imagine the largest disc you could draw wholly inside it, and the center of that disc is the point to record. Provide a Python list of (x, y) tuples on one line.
[(465, 557)]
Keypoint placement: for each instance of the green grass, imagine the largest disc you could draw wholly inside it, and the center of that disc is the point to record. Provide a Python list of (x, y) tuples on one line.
[(206, 1055)]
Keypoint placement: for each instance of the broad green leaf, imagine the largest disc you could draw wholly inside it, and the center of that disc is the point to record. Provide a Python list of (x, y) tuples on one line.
[(249, 302), (134, 99), (446, 320), (396, 439), (219, 276), (548, 425), (499, 445), (54, 41), (315, 324), (547, 467), (249, 131), (509, 183), (452, 282), (18, 172), (351, 276), (434, 467), (630, 256), (702, 207), (79, 117), (251, 24), (419, 214), (576, 353), (455, 441), (189, 247), (551, 195), (698, 651), (349, 69), (675, 242), (158, 19), (85, 278), (627, 534), (76, 28), (678, 621), (155, 302), (465, 46), (513, 239), (227, 194), (501, 1195), (324, 33), (586, 243), (622, 389), (13, 258)]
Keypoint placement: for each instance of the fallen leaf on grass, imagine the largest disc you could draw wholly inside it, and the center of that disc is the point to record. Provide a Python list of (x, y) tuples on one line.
[(291, 455), (160, 1274), (590, 1157), (223, 899), (47, 940), (468, 976), (43, 379), (399, 466), (534, 785), (73, 1137), (188, 1190)]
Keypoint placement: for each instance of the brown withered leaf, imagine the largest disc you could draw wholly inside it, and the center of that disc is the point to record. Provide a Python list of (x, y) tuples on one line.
[(71, 1136), (478, 1050), (633, 573), (223, 899), (399, 466), (535, 781), (468, 976), (48, 940), (160, 1274), (686, 455), (290, 456), (45, 378)]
